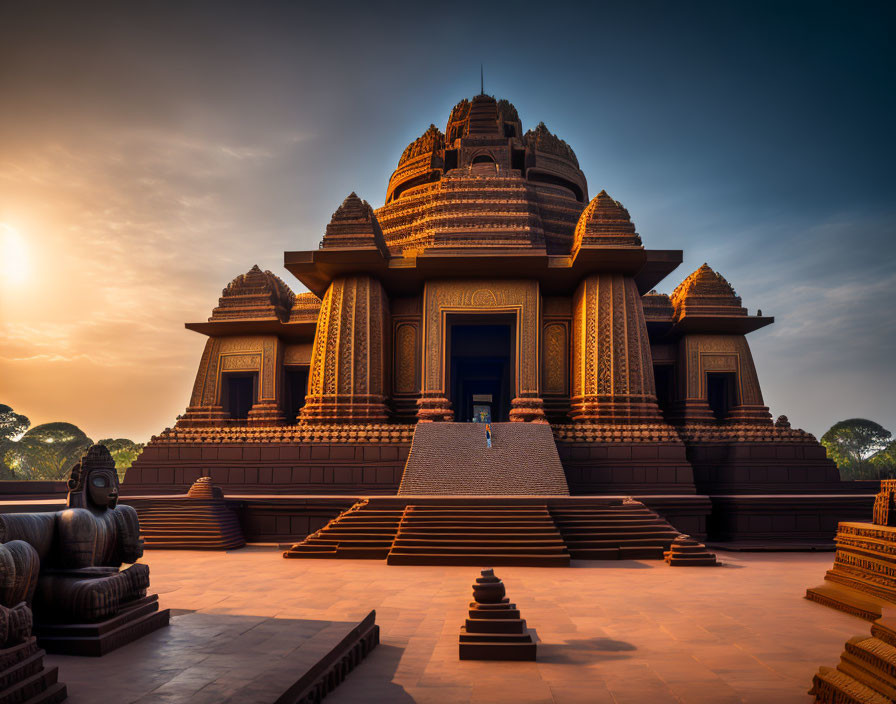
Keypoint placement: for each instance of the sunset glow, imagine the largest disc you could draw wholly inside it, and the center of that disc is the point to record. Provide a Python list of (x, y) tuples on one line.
[(13, 256), (158, 165)]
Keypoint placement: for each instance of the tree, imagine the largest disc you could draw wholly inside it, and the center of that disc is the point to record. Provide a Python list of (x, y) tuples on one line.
[(851, 444), (47, 451), (12, 425), (885, 461), (123, 451)]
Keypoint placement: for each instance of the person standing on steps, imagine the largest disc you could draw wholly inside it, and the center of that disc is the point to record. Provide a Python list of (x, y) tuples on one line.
[(488, 435)]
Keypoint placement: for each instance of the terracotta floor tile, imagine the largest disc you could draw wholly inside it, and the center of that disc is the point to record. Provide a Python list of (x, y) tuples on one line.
[(619, 631)]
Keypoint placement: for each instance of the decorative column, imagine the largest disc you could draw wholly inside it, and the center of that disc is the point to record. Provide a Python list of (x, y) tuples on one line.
[(267, 409), (348, 363), (612, 367)]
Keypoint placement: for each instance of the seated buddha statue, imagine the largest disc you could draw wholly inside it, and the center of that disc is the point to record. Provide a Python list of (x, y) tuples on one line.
[(82, 548)]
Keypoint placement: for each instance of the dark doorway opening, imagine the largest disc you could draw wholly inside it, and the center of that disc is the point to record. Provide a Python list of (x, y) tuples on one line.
[(481, 366), (664, 379), (296, 386), (721, 392), (239, 394)]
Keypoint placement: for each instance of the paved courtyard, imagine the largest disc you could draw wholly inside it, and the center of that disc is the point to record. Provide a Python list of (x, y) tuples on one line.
[(617, 632)]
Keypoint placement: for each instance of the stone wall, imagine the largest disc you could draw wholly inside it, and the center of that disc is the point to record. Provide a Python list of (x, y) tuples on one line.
[(255, 468)]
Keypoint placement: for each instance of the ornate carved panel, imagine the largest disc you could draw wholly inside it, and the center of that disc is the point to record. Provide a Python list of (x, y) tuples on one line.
[(298, 354), (240, 362), (406, 358), (554, 359), (519, 297)]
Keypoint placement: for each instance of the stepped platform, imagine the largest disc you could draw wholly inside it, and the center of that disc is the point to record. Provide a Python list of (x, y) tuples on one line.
[(865, 674), (862, 580), (210, 657), (612, 530), (543, 531), (361, 532), (187, 523)]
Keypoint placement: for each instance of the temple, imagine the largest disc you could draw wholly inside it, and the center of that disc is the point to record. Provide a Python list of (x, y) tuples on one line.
[(490, 285)]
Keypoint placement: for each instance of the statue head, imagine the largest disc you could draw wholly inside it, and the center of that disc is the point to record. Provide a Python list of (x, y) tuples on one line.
[(94, 481)]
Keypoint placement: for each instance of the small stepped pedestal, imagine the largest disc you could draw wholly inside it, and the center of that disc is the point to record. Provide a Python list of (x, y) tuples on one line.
[(687, 552), (867, 670), (23, 676), (494, 630)]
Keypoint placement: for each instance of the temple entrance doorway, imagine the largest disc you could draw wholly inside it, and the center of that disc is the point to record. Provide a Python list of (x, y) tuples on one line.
[(480, 366), (296, 386), (721, 392), (239, 393)]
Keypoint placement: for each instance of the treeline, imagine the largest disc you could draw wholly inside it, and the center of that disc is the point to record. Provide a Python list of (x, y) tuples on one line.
[(48, 451), (862, 449)]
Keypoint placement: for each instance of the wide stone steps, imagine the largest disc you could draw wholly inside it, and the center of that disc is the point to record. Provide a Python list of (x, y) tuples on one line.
[(625, 531), (361, 532), (478, 535), (485, 532)]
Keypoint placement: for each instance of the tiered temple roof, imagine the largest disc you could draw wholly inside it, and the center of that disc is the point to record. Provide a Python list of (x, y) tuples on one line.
[(706, 292), (354, 225), (305, 308), (484, 184), (605, 223), (255, 295)]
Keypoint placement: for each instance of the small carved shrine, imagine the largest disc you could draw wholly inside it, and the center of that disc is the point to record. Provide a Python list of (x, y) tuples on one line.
[(494, 629)]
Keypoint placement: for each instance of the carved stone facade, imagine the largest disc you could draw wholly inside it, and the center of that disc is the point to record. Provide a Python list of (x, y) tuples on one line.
[(518, 299), (702, 354), (486, 239)]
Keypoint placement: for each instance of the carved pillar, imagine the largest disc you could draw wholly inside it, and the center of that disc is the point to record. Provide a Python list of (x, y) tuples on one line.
[(348, 363), (267, 410), (612, 367)]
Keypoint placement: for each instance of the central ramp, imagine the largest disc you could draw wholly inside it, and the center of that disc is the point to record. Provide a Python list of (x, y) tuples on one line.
[(453, 459)]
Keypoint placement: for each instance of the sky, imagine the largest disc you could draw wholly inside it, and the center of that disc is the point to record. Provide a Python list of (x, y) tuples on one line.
[(150, 152)]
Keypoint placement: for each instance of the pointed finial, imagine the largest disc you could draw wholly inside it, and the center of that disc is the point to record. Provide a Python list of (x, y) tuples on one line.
[(481, 81)]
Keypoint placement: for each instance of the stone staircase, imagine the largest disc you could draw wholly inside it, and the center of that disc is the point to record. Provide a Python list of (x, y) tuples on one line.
[(623, 530), (489, 531), (478, 535), (187, 523), (361, 532)]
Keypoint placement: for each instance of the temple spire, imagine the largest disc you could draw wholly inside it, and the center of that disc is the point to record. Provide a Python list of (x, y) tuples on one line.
[(481, 81)]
